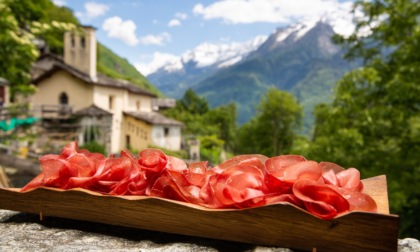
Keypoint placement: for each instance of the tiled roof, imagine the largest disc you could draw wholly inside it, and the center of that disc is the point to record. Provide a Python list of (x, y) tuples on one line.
[(93, 110), (51, 55), (154, 118), (3, 82), (164, 103), (101, 80)]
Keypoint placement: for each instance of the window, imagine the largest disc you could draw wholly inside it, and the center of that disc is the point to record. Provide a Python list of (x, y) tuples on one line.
[(63, 99), (165, 132), (127, 141), (138, 105), (111, 102), (82, 42), (72, 41)]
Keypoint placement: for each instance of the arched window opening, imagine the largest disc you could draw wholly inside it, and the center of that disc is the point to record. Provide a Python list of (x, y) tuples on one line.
[(64, 99)]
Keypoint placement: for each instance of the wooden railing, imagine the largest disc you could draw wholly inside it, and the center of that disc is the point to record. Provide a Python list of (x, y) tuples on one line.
[(53, 111), (40, 111)]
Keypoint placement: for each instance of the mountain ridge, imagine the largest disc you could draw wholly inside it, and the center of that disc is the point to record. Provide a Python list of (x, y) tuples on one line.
[(300, 59)]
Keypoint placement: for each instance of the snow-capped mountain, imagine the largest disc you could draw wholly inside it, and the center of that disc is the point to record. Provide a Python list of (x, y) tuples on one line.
[(203, 60), (301, 59), (214, 55), (181, 73)]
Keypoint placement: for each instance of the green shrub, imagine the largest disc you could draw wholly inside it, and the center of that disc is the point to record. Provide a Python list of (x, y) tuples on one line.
[(94, 146)]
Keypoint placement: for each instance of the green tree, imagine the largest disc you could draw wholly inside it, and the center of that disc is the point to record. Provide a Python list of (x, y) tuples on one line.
[(224, 119), (193, 103), (374, 121), (273, 129), (214, 127), (54, 38), (21, 27)]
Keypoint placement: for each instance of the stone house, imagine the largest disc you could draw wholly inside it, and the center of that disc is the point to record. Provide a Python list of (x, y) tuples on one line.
[(121, 113)]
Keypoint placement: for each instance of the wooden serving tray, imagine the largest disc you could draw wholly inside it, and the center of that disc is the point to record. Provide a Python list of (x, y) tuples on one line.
[(281, 225)]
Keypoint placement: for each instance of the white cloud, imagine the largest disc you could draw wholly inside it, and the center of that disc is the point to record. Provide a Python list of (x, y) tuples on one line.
[(273, 11), (181, 15), (177, 20), (160, 39), (174, 22), (95, 9), (60, 2), (92, 10), (159, 60), (123, 30)]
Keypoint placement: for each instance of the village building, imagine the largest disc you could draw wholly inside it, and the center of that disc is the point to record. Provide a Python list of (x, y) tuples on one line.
[(113, 112)]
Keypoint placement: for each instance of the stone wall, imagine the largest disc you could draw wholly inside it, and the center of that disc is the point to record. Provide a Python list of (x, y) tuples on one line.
[(26, 232)]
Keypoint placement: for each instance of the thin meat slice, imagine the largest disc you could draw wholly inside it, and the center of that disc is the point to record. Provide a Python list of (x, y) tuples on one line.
[(336, 175), (274, 173), (279, 163), (36, 182), (283, 171), (152, 160), (358, 201), (320, 199), (110, 172), (196, 173), (240, 186), (175, 164), (257, 160), (283, 198), (329, 171), (350, 179)]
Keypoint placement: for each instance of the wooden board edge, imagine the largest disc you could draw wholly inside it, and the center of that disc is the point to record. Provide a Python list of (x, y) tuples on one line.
[(303, 229)]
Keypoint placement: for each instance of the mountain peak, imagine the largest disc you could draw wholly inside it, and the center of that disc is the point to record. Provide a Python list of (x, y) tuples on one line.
[(213, 55), (289, 35)]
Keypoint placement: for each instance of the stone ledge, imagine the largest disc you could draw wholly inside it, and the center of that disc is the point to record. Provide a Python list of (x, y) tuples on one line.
[(25, 232)]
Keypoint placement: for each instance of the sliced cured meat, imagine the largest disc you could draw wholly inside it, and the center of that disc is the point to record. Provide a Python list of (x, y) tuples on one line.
[(279, 163), (196, 173), (336, 175), (283, 198), (320, 199), (323, 189), (240, 186), (152, 160), (111, 172), (358, 201), (256, 159), (283, 171), (349, 179)]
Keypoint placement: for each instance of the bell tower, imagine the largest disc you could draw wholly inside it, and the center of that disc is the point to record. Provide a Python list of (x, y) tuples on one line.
[(80, 50)]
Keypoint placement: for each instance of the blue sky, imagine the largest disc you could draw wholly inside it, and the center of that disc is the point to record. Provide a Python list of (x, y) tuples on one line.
[(150, 32)]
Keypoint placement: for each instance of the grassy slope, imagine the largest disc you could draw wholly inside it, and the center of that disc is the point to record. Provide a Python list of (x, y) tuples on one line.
[(114, 66)]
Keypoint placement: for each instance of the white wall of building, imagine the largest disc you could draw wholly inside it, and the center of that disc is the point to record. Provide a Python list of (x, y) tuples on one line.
[(168, 137), (112, 100), (137, 102)]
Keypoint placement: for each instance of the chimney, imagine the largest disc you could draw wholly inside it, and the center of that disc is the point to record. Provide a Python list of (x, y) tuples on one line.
[(80, 50)]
